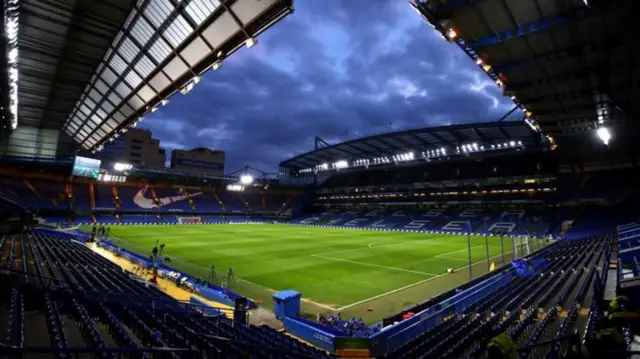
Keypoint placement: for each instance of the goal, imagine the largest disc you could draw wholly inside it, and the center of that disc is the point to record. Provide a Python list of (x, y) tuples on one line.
[(189, 220)]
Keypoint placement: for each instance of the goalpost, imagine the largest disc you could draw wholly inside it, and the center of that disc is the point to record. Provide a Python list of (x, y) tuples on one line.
[(190, 220)]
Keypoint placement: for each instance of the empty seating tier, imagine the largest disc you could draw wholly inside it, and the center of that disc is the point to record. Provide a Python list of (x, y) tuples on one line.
[(86, 301)]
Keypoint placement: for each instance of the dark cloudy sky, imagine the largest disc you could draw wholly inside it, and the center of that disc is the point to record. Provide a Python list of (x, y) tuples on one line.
[(337, 69)]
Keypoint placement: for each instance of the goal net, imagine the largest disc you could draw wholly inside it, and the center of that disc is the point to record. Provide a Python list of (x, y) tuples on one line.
[(189, 220)]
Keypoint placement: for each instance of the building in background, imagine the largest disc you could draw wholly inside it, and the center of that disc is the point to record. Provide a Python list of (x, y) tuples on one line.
[(198, 160), (136, 147)]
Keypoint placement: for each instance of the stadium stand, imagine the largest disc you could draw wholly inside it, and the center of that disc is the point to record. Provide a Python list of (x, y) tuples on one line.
[(629, 255), (61, 292), (559, 279), (448, 220)]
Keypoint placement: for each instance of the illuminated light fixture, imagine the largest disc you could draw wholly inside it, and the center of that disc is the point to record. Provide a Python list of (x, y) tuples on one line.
[(246, 179), (519, 143), (11, 21), (513, 98), (499, 82), (190, 85), (118, 166), (235, 187), (341, 164), (586, 3), (479, 61), (164, 102), (154, 109), (493, 147), (250, 42), (530, 123), (216, 65), (512, 144), (604, 135), (452, 34)]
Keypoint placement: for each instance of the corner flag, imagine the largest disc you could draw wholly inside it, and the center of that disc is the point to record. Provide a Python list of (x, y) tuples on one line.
[(493, 267)]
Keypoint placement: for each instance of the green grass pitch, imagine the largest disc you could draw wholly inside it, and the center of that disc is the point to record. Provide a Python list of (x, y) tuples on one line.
[(358, 272)]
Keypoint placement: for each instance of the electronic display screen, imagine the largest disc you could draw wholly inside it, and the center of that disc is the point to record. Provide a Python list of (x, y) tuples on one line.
[(86, 167)]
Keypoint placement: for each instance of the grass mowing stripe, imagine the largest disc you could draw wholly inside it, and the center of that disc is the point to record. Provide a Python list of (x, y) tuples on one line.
[(372, 265), (411, 285), (389, 267)]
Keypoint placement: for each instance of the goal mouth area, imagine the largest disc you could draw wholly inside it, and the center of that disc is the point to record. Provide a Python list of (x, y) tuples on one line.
[(190, 220)]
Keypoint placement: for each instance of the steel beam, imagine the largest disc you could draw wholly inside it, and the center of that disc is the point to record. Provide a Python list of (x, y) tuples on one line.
[(524, 30), (552, 56), (453, 5), (583, 74)]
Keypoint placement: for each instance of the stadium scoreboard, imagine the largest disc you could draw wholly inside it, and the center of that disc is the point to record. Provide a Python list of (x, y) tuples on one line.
[(86, 167)]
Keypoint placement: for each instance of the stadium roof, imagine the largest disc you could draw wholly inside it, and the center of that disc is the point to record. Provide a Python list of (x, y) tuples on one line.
[(433, 142), (95, 67), (60, 44), (572, 65)]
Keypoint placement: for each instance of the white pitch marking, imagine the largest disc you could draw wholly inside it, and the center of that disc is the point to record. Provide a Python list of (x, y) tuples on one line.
[(409, 286), (373, 265), (460, 250), (430, 240), (371, 244), (275, 291)]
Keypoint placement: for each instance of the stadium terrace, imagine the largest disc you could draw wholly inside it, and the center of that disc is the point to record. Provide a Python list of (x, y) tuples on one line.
[(509, 239)]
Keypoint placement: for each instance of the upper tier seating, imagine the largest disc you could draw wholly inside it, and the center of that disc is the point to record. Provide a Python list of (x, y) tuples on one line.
[(67, 296)]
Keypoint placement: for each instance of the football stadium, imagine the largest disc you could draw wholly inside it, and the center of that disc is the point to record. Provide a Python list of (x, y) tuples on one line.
[(502, 239)]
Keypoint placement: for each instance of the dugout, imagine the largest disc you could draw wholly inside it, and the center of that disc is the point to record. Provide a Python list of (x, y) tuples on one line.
[(286, 304)]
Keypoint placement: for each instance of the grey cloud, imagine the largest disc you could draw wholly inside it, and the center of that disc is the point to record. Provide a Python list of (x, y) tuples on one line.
[(262, 111)]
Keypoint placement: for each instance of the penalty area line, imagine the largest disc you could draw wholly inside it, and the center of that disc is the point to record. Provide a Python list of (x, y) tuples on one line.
[(411, 285), (444, 255), (373, 265)]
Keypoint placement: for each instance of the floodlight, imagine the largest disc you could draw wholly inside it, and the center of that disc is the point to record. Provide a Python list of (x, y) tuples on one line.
[(493, 147), (246, 179), (250, 42), (475, 146), (122, 166), (519, 143), (216, 65), (452, 34), (512, 143), (604, 135)]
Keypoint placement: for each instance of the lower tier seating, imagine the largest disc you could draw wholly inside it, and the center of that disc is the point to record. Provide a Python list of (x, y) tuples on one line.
[(69, 297)]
